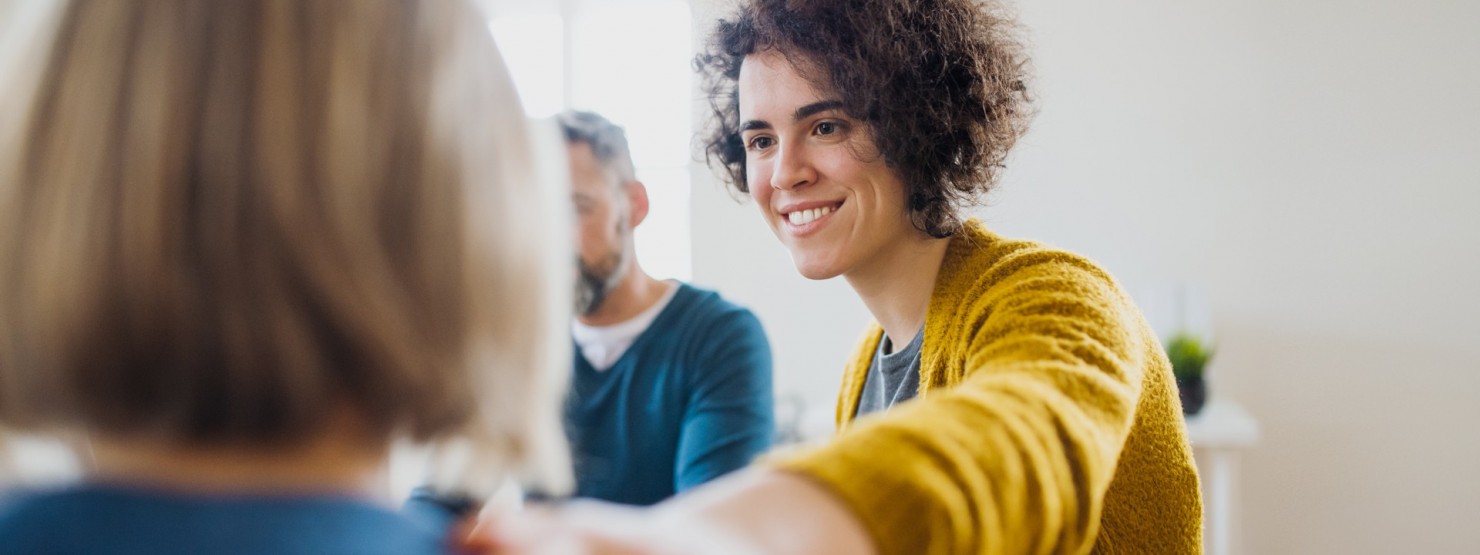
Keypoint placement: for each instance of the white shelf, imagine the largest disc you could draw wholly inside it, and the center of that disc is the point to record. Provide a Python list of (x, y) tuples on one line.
[(1219, 432), (1222, 424)]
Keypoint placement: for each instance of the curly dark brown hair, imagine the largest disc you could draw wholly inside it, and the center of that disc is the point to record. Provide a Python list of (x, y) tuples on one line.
[(940, 83)]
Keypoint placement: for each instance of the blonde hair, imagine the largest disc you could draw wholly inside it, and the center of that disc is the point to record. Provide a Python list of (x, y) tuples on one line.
[(222, 221)]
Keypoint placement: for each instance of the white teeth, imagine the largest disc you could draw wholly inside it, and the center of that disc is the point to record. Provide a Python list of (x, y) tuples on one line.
[(803, 217)]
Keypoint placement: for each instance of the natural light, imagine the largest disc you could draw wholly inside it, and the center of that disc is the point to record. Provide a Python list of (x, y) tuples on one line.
[(589, 58)]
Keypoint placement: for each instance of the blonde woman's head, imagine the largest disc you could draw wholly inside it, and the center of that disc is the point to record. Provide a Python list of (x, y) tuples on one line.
[(226, 222)]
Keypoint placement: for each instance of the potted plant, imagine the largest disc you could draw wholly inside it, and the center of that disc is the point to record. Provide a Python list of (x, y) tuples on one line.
[(1189, 357)]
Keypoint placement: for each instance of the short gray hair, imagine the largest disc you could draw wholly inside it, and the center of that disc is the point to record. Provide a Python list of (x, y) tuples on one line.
[(608, 142)]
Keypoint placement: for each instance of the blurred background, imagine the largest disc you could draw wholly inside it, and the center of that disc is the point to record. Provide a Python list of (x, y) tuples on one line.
[(1296, 183)]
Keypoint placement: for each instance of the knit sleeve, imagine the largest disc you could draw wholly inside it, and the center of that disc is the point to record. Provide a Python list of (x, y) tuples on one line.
[(1017, 457)]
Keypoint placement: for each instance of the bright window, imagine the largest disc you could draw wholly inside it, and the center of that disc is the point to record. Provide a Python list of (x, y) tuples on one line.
[(628, 61)]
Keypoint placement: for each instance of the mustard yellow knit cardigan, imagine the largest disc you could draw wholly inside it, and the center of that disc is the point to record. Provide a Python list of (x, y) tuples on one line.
[(1047, 419)]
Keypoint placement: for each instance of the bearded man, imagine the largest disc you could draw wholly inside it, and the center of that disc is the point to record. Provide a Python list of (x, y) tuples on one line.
[(672, 383)]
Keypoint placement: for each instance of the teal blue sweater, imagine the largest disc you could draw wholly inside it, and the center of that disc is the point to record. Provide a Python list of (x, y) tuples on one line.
[(690, 400), (88, 519)]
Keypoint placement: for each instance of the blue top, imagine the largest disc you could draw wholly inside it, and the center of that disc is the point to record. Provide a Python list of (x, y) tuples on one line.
[(92, 519), (690, 400)]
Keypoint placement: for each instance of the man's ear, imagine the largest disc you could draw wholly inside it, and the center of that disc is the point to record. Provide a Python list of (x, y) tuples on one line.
[(637, 202)]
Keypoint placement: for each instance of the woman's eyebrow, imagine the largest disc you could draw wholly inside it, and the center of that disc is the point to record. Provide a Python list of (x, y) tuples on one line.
[(814, 108), (800, 114), (754, 124)]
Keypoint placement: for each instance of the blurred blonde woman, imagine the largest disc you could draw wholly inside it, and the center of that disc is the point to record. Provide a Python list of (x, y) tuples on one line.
[(249, 244)]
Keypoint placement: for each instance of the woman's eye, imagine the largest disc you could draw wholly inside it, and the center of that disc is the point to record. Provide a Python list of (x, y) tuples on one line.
[(760, 143), (827, 128)]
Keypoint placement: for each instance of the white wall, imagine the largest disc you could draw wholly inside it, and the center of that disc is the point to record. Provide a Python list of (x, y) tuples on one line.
[(1314, 167)]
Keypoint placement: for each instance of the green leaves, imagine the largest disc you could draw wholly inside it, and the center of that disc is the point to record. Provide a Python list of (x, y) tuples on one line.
[(1188, 355)]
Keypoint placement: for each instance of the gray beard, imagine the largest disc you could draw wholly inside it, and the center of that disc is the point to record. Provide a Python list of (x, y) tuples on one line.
[(593, 285)]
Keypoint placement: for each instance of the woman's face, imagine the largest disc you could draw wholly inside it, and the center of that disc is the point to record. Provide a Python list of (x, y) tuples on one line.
[(815, 173)]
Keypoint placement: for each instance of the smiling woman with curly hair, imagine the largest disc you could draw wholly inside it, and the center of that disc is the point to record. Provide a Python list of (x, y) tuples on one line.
[(1010, 397), (941, 85)]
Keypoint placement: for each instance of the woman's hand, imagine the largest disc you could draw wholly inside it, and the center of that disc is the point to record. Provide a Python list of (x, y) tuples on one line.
[(753, 512), (577, 528)]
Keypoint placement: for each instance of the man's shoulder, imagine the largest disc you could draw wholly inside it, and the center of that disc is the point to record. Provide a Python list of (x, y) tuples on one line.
[(703, 307), (719, 327)]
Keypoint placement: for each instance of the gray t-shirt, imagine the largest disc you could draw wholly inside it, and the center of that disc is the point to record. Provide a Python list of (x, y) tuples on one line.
[(893, 377)]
